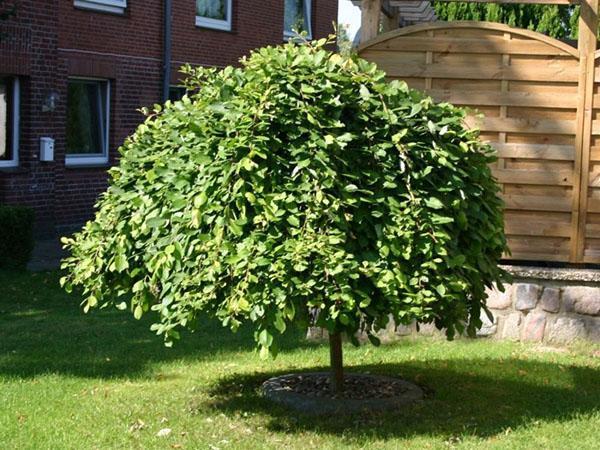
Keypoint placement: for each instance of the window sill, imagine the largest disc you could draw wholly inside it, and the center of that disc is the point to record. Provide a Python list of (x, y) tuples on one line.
[(86, 162), (213, 24), (11, 168), (87, 166), (90, 6)]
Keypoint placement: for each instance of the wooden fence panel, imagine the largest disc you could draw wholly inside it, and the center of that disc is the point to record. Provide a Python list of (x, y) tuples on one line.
[(529, 88)]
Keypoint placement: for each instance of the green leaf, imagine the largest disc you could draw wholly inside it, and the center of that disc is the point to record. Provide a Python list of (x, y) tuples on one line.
[(293, 221), (433, 202), (364, 92), (415, 109), (121, 262), (265, 339), (200, 199), (279, 323)]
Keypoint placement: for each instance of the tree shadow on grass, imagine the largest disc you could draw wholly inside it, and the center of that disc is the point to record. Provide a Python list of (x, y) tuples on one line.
[(464, 397), (43, 330)]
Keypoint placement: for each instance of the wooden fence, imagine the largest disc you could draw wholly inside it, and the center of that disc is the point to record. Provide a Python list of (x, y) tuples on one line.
[(534, 92)]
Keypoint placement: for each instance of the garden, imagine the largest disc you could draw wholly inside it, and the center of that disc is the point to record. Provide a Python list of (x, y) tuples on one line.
[(301, 189)]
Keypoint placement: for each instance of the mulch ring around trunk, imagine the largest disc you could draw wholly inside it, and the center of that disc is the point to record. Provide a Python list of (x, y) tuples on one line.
[(310, 393)]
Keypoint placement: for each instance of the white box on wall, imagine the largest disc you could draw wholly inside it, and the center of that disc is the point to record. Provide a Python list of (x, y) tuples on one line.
[(46, 149)]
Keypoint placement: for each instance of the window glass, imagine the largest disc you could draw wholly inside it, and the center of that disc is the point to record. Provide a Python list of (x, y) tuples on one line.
[(9, 121), (86, 117), (296, 16), (176, 93), (5, 107), (212, 9)]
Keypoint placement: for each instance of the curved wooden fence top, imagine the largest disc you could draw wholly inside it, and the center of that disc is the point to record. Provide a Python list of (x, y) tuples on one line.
[(561, 47)]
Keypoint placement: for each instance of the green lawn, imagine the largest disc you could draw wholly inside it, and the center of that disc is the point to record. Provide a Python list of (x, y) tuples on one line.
[(103, 380)]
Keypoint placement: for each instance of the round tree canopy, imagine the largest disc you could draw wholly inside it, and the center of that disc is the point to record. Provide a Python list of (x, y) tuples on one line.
[(301, 181)]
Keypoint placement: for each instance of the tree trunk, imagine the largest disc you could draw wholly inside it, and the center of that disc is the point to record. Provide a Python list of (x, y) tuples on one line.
[(337, 367)]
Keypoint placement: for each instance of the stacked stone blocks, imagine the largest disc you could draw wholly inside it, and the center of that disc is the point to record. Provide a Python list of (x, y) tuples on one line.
[(536, 312)]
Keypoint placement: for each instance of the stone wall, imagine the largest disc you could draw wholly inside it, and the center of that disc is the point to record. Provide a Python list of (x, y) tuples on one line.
[(546, 305), (549, 305)]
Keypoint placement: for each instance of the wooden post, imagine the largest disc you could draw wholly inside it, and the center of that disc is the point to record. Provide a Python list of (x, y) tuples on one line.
[(588, 28), (370, 14), (391, 22)]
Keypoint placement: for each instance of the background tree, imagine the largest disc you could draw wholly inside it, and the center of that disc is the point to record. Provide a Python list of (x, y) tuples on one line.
[(300, 180), (558, 21), (344, 43)]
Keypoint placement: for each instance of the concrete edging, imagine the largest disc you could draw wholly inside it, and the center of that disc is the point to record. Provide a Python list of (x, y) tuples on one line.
[(274, 390)]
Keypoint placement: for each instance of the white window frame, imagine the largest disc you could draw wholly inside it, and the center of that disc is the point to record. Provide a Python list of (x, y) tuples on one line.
[(112, 6), (217, 24), (83, 159), (287, 35), (16, 97)]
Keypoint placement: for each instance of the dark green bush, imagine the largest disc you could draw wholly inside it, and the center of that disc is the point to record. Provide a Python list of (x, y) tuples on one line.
[(16, 236)]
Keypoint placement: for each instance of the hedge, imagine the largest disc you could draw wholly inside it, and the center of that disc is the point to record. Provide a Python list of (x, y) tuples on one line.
[(16, 236)]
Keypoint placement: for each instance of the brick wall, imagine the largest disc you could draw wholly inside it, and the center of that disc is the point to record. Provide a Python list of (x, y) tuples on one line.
[(32, 183), (52, 40)]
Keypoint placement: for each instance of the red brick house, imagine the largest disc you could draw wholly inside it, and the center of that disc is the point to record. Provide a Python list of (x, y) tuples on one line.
[(76, 71)]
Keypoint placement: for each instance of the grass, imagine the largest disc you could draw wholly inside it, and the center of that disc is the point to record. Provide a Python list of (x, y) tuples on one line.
[(103, 380)]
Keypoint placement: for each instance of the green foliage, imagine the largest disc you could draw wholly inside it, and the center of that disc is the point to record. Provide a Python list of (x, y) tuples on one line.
[(16, 236), (344, 43), (552, 20), (302, 180)]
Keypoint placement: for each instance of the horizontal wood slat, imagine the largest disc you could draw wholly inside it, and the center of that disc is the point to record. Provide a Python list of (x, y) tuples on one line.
[(535, 151), (593, 205), (594, 179), (488, 98), (490, 45), (596, 127), (536, 256), (537, 203), (527, 126), (592, 230), (535, 228), (473, 71), (558, 178), (595, 154)]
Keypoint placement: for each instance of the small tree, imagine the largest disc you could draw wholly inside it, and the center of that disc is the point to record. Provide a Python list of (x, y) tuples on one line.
[(301, 180)]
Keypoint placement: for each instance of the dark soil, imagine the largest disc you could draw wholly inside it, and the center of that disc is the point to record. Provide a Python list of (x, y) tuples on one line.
[(355, 387)]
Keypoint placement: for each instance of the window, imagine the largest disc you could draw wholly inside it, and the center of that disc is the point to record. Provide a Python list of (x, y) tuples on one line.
[(214, 14), (114, 6), (87, 121), (9, 122), (176, 93), (296, 17)]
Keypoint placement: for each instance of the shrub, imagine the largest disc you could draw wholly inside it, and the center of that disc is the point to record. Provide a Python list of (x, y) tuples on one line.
[(300, 180), (16, 236)]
